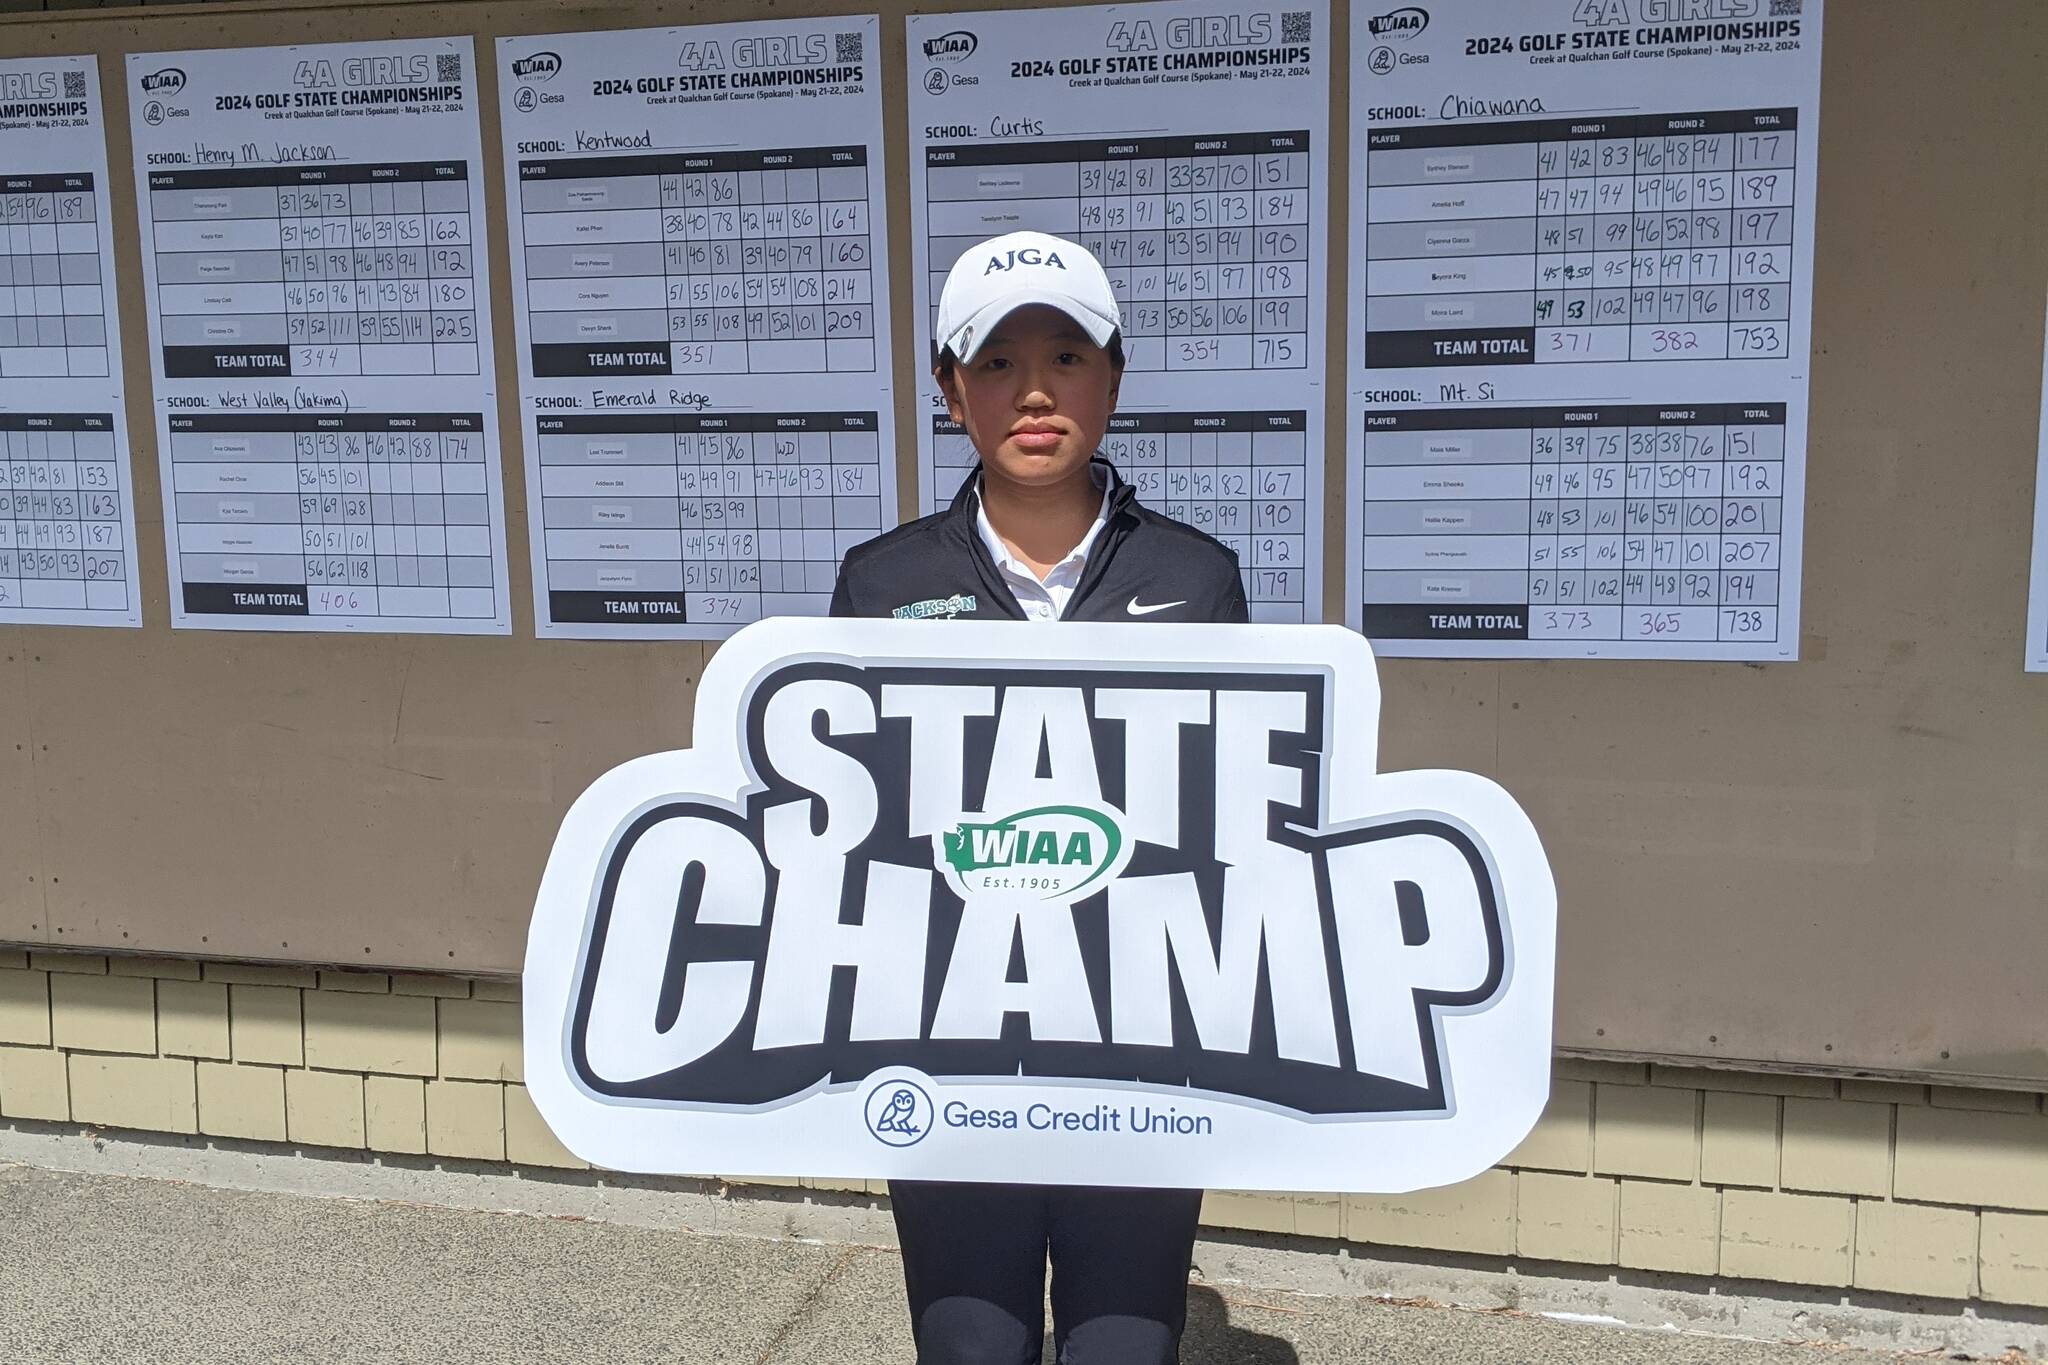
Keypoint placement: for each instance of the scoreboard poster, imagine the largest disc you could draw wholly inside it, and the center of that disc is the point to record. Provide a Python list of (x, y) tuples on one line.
[(67, 509), (1186, 144), (317, 278), (1580, 313), (701, 299)]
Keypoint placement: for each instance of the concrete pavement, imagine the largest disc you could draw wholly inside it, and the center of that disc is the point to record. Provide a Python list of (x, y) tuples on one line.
[(106, 1268)]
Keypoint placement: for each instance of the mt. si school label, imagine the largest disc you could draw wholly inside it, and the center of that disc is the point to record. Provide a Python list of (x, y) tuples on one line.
[(955, 898)]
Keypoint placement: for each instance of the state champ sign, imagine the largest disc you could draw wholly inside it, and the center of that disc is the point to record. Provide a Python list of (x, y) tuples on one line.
[(1093, 903)]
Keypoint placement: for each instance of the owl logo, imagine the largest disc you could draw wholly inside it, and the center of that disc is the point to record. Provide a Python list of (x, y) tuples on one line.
[(898, 1113)]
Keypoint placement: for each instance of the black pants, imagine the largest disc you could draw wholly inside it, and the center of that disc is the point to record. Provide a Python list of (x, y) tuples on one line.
[(974, 1265)]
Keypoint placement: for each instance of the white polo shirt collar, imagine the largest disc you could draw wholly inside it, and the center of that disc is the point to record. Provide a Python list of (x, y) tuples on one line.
[(1042, 599)]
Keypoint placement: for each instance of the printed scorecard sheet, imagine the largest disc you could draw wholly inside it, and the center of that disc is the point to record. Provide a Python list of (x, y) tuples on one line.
[(314, 252), (1186, 145), (700, 285), (67, 512), (1581, 287)]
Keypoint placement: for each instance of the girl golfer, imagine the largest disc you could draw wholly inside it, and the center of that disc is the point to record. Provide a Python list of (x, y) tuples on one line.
[(1030, 357)]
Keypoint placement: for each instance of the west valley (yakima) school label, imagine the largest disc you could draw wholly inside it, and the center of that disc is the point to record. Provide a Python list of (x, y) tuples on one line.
[(1093, 905)]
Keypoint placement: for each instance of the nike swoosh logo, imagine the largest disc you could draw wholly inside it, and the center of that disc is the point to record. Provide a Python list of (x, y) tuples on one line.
[(1136, 610)]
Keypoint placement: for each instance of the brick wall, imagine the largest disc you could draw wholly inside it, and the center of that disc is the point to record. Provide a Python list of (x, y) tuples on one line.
[(413, 1064), (1898, 1188), (1881, 1186)]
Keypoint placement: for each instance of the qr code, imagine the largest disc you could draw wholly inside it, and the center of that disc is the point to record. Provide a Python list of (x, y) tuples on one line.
[(1297, 26), (850, 47), (448, 67), (1785, 8), (74, 85)]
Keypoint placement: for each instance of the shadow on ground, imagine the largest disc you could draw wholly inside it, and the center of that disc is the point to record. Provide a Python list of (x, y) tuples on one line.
[(1212, 1339)]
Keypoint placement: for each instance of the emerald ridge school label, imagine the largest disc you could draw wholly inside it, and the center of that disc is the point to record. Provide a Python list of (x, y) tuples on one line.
[(1090, 904)]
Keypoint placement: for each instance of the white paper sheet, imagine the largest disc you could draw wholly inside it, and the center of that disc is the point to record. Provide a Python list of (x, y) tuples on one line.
[(2037, 598), (1186, 144), (700, 267), (67, 512), (318, 288), (1581, 289)]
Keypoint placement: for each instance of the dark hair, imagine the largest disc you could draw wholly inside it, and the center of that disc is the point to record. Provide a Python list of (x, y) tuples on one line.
[(944, 360)]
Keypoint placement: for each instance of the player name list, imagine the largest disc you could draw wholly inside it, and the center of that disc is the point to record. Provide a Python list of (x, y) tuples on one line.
[(665, 519), (315, 270), (1241, 477), (365, 515), (1640, 237), (739, 262), (1205, 239)]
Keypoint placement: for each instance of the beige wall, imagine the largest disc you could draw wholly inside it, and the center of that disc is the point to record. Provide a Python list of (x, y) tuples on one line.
[(1899, 1188), (1725, 837)]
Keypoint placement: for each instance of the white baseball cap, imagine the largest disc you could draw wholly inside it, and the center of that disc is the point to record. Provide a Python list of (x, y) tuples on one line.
[(995, 278)]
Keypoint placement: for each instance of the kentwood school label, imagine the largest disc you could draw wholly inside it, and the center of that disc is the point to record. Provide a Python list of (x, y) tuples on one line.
[(1090, 904)]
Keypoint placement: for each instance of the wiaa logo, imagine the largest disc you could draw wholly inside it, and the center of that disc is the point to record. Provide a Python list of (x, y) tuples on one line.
[(168, 81), (956, 46), (541, 66), (1398, 25), (1145, 887), (1050, 853)]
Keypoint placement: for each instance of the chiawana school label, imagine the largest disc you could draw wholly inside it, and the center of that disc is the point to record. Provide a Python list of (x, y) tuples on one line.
[(1084, 904)]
